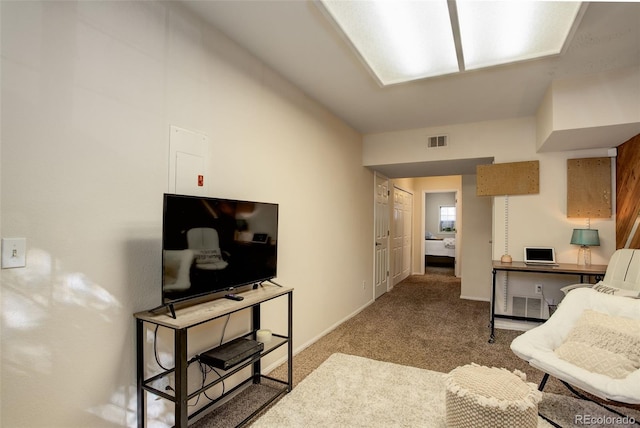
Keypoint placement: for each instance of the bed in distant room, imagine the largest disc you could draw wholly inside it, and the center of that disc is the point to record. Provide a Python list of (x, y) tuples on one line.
[(440, 252)]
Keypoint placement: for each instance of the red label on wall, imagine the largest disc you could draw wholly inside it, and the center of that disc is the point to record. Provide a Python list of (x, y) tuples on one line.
[(200, 180)]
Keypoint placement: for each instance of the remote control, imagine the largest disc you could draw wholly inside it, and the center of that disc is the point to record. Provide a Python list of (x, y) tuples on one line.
[(233, 297)]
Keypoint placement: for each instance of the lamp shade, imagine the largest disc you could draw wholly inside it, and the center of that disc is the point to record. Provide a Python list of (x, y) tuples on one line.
[(588, 237)]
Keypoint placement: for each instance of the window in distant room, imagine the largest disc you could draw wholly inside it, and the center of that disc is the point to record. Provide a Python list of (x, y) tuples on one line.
[(447, 219)]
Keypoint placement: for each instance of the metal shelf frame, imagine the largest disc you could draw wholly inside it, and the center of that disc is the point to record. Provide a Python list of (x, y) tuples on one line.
[(192, 316)]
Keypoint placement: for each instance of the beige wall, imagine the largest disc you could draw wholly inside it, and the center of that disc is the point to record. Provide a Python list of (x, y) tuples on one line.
[(89, 91), (533, 219), (475, 251)]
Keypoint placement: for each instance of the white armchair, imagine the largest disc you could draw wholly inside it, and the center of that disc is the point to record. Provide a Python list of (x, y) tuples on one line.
[(622, 277), (205, 244), (592, 341)]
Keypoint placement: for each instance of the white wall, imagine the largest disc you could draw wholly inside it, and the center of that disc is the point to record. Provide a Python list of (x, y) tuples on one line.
[(533, 219), (600, 99), (89, 91), (590, 108)]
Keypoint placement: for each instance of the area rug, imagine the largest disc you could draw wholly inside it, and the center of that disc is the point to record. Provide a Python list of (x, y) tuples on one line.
[(350, 391)]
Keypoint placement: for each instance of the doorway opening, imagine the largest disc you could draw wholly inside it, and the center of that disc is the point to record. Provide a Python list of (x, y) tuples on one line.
[(440, 222)]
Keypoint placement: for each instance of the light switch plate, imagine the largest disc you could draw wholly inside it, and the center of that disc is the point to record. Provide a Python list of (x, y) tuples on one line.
[(14, 252)]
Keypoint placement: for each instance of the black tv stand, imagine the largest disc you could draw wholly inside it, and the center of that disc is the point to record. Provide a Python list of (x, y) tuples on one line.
[(172, 309), (271, 281), (155, 381), (167, 307)]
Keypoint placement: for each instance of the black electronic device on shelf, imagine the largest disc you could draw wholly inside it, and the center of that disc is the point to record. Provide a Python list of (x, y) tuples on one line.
[(231, 353), (212, 245)]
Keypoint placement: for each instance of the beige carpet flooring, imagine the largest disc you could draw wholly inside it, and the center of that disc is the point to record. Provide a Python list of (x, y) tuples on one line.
[(356, 392), (421, 322)]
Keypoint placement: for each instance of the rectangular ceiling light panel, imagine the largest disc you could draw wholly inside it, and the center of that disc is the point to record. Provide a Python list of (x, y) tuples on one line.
[(500, 32), (399, 40), (402, 40)]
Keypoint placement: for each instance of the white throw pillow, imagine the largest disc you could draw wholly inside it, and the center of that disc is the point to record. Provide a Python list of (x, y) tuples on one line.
[(604, 344)]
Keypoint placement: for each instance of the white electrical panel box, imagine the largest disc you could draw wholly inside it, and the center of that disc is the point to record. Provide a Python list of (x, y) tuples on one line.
[(188, 162)]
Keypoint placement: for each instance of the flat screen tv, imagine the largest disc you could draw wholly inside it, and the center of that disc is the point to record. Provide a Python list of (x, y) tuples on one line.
[(212, 244)]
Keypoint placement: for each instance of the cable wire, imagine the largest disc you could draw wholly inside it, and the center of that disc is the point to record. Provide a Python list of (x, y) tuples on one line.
[(224, 328), (155, 348)]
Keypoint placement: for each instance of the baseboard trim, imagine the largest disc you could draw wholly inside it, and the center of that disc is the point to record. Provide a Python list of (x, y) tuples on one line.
[(314, 339), (478, 299)]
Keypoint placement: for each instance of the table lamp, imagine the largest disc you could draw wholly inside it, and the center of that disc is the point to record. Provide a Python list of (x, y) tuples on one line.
[(585, 238)]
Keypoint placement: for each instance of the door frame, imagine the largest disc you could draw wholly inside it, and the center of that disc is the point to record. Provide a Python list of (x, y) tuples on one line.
[(456, 195)]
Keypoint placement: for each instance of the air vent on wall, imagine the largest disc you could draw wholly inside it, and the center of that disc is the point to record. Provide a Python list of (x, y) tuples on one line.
[(437, 141), (530, 307)]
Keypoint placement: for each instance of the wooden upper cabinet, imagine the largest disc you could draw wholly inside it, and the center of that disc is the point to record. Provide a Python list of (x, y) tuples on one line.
[(589, 188)]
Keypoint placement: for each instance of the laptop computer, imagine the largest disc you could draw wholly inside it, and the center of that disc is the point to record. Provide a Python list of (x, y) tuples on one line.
[(541, 256)]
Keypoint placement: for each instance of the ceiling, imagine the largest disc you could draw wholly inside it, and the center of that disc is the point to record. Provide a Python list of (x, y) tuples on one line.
[(295, 39)]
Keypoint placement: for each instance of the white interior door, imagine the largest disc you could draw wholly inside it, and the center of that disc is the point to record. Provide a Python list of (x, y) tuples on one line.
[(381, 222), (397, 236), (407, 234), (401, 233)]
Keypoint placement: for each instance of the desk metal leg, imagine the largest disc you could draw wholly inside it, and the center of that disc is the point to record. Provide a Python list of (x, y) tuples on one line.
[(492, 336)]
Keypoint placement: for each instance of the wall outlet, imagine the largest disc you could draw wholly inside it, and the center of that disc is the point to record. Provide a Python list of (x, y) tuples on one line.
[(364, 284), (538, 288)]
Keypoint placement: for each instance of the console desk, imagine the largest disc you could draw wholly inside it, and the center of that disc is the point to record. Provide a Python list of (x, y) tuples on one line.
[(560, 269), (195, 315)]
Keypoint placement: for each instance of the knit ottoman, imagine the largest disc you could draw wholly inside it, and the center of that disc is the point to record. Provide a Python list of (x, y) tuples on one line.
[(478, 396)]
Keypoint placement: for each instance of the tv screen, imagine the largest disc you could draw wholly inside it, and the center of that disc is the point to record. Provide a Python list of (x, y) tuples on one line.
[(213, 244)]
